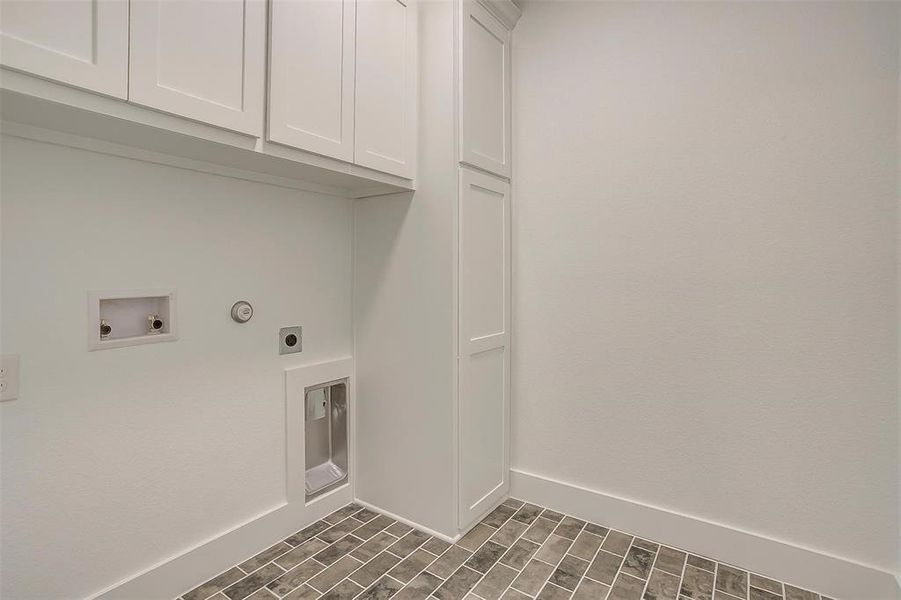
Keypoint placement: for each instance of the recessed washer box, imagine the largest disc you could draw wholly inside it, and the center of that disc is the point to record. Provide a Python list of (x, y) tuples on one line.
[(119, 318)]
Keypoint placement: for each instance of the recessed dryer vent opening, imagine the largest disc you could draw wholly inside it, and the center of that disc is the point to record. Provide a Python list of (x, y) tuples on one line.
[(325, 435)]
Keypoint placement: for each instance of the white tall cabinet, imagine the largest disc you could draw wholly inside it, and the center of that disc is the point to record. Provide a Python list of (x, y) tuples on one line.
[(432, 322), (485, 91), (484, 347)]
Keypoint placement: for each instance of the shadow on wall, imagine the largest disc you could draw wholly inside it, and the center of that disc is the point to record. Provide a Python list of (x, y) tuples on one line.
[(385, 215)]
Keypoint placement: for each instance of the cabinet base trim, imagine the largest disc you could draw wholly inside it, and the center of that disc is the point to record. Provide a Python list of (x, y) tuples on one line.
[(414, 524)]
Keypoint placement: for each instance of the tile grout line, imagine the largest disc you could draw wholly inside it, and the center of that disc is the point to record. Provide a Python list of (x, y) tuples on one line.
[(420, 572), (565, 552), (682, 578), (417, 574), (619, 569), (363, 564), (311, 557), (488, 539), (647, 581), (482, 576), (716, 574), (518, 571), (748, 587), (591, 562)]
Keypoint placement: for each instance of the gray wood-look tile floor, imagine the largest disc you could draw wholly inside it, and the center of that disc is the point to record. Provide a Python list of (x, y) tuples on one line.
[(519, 551)]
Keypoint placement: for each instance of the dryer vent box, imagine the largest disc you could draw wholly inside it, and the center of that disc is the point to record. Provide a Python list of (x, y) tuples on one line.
[(325, 437)]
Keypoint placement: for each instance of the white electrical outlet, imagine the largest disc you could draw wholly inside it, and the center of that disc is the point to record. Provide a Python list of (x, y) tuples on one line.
[(9, 377)]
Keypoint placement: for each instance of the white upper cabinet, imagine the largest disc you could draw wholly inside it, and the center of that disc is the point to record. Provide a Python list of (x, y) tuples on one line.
[(200, 59), (83, 43), (311, 76), (485, 121), (385, 124), (340, 80)]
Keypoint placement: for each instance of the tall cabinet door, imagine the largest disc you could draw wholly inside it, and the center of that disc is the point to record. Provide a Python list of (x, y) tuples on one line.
[(385, 125), (83, 43), (200, 59), (311, 76), (484, 388), (485, 121)]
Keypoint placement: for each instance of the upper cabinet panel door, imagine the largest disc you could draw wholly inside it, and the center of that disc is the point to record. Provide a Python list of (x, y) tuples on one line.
[(200, 59), (485, 122), (83, 43), (311, 76), (385, 124)]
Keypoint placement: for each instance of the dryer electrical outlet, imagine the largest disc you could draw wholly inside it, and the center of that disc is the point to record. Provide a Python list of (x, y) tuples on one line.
[(290, 340)]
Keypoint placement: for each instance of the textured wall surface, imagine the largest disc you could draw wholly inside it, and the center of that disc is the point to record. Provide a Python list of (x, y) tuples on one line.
[(705, 251), (117, 459)]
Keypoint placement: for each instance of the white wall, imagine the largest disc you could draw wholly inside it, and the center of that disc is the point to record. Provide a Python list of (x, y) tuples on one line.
[(898, 226), (404, 323), (114, 460), (705, 284)]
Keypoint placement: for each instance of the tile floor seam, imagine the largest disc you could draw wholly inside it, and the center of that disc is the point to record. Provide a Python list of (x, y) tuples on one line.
[(497, 562), (716, 576), (268, 562), (626, 555), (283, 571), (509, 585), (362, 565), (682, 577), (591, 562), (748, 587), (406, 585), (422, 570), (346, 577), (488, 539), (554, 567)]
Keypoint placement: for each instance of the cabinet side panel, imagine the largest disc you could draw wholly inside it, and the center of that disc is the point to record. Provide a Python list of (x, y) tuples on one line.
[(404, 313)]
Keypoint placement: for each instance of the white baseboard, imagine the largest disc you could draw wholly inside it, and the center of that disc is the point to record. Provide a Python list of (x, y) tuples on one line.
[(804, 567), (405, 521), (182, 572)]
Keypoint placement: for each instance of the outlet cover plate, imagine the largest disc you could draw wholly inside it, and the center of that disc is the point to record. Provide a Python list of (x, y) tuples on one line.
[(287, 335), (9, 376)]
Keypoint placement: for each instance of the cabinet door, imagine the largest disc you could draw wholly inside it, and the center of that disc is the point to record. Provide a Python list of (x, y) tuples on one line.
[(200, 59), (311, 76), (83, 43), (485, 122), (484, 343), (385, 125)]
